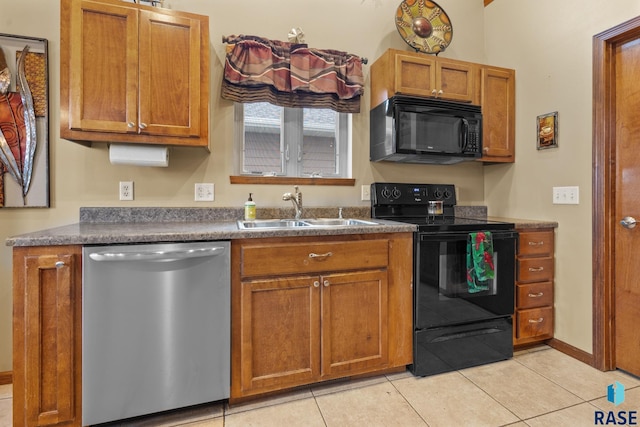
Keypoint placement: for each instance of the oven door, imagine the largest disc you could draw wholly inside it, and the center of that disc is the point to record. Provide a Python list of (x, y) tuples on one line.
[(442, 295)]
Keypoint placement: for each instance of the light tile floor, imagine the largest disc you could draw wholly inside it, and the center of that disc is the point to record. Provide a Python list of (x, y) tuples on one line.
[(539, 387)]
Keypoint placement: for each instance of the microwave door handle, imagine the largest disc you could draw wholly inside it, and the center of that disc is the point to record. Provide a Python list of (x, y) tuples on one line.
[(465, 134)]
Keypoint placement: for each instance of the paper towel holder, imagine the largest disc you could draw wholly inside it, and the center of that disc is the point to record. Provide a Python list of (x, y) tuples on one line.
[(139, 155)]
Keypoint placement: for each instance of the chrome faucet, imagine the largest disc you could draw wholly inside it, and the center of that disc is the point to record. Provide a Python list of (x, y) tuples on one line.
[(296, 199)]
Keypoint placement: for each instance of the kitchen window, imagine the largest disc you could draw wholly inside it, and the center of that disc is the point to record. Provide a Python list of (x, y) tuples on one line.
[(292, 142)]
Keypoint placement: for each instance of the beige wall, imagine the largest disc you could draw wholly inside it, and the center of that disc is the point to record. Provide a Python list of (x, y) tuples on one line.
[(82, 176), (549, 43)]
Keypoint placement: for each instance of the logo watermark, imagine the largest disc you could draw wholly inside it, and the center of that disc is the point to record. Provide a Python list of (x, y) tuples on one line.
[(615, 395)]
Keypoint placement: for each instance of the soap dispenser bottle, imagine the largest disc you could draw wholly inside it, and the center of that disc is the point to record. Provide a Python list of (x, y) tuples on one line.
[(249, 209)]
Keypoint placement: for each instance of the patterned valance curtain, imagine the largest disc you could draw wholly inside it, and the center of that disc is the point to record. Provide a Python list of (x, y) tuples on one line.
[(291, 75)]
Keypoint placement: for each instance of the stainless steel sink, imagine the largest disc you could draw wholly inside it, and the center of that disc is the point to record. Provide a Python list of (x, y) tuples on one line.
[(271, 224), (338, 222)]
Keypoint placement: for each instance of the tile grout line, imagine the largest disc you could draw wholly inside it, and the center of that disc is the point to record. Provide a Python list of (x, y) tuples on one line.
[(408, 403), (488, 394)]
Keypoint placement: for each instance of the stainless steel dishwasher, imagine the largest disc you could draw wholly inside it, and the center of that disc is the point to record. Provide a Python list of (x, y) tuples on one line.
[(156, 328)]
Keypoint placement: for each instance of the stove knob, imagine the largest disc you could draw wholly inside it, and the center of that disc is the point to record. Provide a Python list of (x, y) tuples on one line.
[(385, 193), (396, 193), (447, 194), (437, 193)]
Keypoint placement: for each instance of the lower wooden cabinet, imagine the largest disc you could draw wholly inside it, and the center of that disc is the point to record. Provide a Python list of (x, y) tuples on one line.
[(311, 309), (534, 314), (47, 351)]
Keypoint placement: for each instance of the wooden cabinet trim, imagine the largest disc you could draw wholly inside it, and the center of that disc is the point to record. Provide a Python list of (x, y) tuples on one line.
[(363, 343), (535, 243), (79, 123), (535, 323), (395, 348), (300, 258), (534, 314), (47, 338)]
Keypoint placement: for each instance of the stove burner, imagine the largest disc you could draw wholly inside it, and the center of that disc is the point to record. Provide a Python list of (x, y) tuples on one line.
[(409, 203)]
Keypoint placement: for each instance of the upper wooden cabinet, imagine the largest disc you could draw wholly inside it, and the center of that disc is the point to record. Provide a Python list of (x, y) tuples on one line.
[(133, 73), (498, 100), (407, 73), (419, 74)]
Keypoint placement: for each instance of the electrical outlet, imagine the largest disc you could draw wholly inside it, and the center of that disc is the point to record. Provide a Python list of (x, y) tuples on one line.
[(365, 192), (566, 195), (204, 192), (126, 190)]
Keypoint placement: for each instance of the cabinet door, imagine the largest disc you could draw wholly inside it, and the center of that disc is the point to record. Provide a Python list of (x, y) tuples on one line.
[(454, 80), (415, 75), (103, 85), (498, 113), (169, 49), (47, 336), (280, 333), (354, 322)]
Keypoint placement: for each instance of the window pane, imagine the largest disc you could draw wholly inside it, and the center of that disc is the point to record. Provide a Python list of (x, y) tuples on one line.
[(262, 142), (319, 145)]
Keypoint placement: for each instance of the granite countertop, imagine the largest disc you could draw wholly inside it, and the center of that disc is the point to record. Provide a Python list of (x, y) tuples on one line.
[(526, 223), (144, 225), (101, 226)]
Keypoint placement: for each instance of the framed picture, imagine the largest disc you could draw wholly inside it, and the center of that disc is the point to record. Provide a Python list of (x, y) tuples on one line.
[(24, 122), (547, 130)]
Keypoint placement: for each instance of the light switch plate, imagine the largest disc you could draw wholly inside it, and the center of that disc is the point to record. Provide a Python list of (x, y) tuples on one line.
[(204, 192), (566, 195), (365, 192)]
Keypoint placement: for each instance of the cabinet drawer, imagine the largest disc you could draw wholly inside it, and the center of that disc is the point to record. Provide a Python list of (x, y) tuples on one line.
[(534, 295), (535, 322), (300, 258), (535, 243), (535, 269)]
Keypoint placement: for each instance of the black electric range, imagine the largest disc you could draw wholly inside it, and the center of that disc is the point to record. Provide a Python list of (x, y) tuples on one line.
[(456, 324)]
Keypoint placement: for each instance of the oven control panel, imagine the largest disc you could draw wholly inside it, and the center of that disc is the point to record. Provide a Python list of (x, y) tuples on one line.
[(384, 193)]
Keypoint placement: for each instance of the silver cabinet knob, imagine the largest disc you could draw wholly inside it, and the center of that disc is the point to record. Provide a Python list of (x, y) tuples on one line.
[(142, 125), (434, 92), (131, 125), (628, 222), (325, 283), (316, 284), (59, 264)]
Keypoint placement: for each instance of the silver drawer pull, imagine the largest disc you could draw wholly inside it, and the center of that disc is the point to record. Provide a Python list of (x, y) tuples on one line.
[(540, 320), (314, 255), (534, 269), (59, 264), (540, 243), (538, 295)]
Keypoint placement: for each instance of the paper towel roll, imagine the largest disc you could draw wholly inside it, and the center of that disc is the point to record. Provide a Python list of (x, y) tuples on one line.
[(139, 155)]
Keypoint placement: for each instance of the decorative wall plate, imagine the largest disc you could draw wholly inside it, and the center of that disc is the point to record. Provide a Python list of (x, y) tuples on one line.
[(424, 25)]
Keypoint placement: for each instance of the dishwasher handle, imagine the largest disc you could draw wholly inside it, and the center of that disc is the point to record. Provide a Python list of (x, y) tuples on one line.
[(157, 256)]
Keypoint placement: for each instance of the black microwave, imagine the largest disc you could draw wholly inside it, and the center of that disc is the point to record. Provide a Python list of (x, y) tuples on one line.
[(423, 130)]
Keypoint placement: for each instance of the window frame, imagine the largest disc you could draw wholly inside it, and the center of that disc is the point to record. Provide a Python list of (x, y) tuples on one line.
[(291, 145)]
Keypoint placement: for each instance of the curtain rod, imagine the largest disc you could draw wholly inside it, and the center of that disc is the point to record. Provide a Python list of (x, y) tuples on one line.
[(226, 39)]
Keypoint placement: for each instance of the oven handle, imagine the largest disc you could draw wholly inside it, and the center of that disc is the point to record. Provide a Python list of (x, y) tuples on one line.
[(462, 235)]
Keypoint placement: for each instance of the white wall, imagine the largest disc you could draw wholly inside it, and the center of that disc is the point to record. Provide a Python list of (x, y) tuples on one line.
[(82, 176), (549, 43)]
